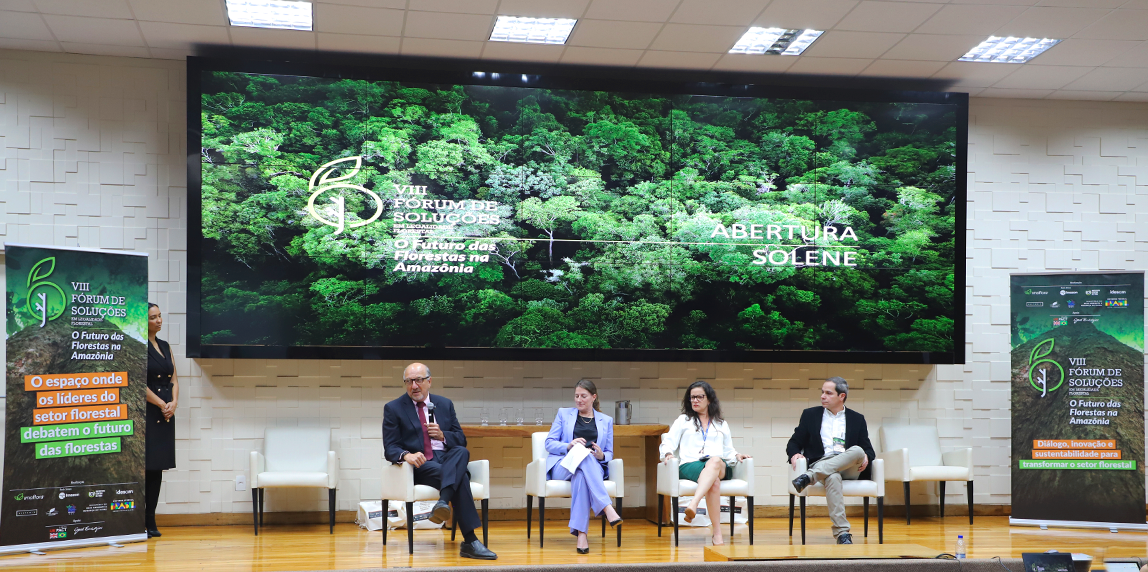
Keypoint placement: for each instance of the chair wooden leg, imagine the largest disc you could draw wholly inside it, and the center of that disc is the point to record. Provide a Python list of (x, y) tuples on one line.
[(802, 521), (386, 509), (618, 507), (485, 521), (732, 506), (661, 511), (603, 524), (969, 484), (941, 493), (453, 524), (529, 513), (541, 519), (674, 517), (880, 520), (261, 491), (411, 527), (331, 508), (255, 509), (749, 507), (866, 500), (791, 499), (908, 508)]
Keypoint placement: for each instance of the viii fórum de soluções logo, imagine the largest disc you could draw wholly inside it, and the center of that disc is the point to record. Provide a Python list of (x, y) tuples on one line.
[(1035, 360)]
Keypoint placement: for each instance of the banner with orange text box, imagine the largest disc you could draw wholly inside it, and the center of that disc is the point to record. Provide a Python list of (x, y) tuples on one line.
[(1078, 400), (76, 327)]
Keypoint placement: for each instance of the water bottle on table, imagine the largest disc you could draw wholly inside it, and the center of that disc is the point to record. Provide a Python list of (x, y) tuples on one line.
[(961, 550)]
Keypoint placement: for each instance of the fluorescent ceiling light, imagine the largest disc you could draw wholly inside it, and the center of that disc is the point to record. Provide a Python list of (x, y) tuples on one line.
[(279, 14), (532, 30), (1008, 50), (775, 41)]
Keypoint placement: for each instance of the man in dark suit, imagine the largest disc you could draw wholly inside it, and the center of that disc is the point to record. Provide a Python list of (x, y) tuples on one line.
[(422, 429), (835, 442)]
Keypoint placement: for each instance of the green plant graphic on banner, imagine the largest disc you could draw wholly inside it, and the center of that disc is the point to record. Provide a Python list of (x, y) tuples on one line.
[(1039, 352), (38, 290)]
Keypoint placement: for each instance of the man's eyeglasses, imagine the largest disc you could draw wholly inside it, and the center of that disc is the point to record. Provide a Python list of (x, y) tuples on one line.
[(697, 397), (411, 380)]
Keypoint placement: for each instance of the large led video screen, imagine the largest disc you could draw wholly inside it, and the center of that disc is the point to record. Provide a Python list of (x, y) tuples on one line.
[(563, 223)]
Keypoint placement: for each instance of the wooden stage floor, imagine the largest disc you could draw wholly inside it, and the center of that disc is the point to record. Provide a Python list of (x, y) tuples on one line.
[(310, 547)]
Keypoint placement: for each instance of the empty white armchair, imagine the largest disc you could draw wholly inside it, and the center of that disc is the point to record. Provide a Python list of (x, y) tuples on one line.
[(537, 485), (867, 489), (913, 453), (293, 457), (399, 485), (669, 485)]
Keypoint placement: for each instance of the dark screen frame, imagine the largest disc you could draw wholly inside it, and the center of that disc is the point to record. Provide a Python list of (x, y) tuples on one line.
[(461, 72)]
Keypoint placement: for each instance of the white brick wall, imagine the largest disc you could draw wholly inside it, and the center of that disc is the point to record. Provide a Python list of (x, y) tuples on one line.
[(92, 154)]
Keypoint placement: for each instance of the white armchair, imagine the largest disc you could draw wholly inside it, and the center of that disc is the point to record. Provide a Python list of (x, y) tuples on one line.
[(398, 484), (913, 453), (537, 485), (740, 485), (293, 457), (850, 488)]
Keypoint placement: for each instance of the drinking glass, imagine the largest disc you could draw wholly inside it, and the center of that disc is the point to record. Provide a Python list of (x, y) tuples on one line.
[(484, 420), (503, 414), (538, 416), (518, 416)]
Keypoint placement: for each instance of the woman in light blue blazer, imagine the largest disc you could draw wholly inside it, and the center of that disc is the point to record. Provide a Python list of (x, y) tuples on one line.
[(583, 425)]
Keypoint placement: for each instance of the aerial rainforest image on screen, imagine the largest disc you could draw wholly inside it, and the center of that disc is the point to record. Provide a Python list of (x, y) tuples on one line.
[(345, 212)]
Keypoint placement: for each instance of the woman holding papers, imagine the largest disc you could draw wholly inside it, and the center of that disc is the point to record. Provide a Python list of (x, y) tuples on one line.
[(580, 443), (704, 446)]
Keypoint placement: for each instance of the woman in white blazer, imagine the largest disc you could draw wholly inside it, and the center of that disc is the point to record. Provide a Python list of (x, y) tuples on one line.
[(583, 425), (702, 441)]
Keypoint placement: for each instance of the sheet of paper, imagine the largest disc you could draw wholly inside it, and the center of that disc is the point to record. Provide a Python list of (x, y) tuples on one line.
[(574, 456)]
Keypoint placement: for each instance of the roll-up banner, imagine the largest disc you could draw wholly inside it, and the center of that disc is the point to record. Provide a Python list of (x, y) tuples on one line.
[(1078, 400), (76, 371)]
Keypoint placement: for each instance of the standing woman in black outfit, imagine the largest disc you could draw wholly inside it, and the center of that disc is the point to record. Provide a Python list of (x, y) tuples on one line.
[(162, 396)]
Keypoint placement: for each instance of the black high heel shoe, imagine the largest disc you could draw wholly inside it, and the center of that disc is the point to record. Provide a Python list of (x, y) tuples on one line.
[(583, 550), (614, 523)]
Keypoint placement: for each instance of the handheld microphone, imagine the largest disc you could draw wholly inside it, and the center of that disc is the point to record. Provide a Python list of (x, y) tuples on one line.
[(430, 412)]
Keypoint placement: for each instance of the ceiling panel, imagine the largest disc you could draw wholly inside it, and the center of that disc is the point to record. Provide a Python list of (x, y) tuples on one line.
[(472, 27), (972, 74), (441, 48), (754, 63), (95, 8), (1136, 57), (1110, 79), (576, 55), (1074, 52), (509, 51), (182, 36), (359, 43), (17, 6), (1040, 77), (613, 34), (829, 66), (339, 19), (1083, 3), (872, 16), (205, 12), (816, 14), (1119, 25), (1051, 22), (106, 50), (81, 30), (459, 6), (393, 4), (636, 10), (902, 68), (166, 54), (687, 38), (544, 8), (24, 26), (1015, 93), (840, 44), (33, 45), (259, 37), (1091, 95), (933, 47), (969, 19), (725, 12), (678, 60)]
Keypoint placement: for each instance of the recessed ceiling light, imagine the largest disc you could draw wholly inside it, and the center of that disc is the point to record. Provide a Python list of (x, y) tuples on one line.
[(280, 14), (775, 41), (532, 30), (1008, 50)]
